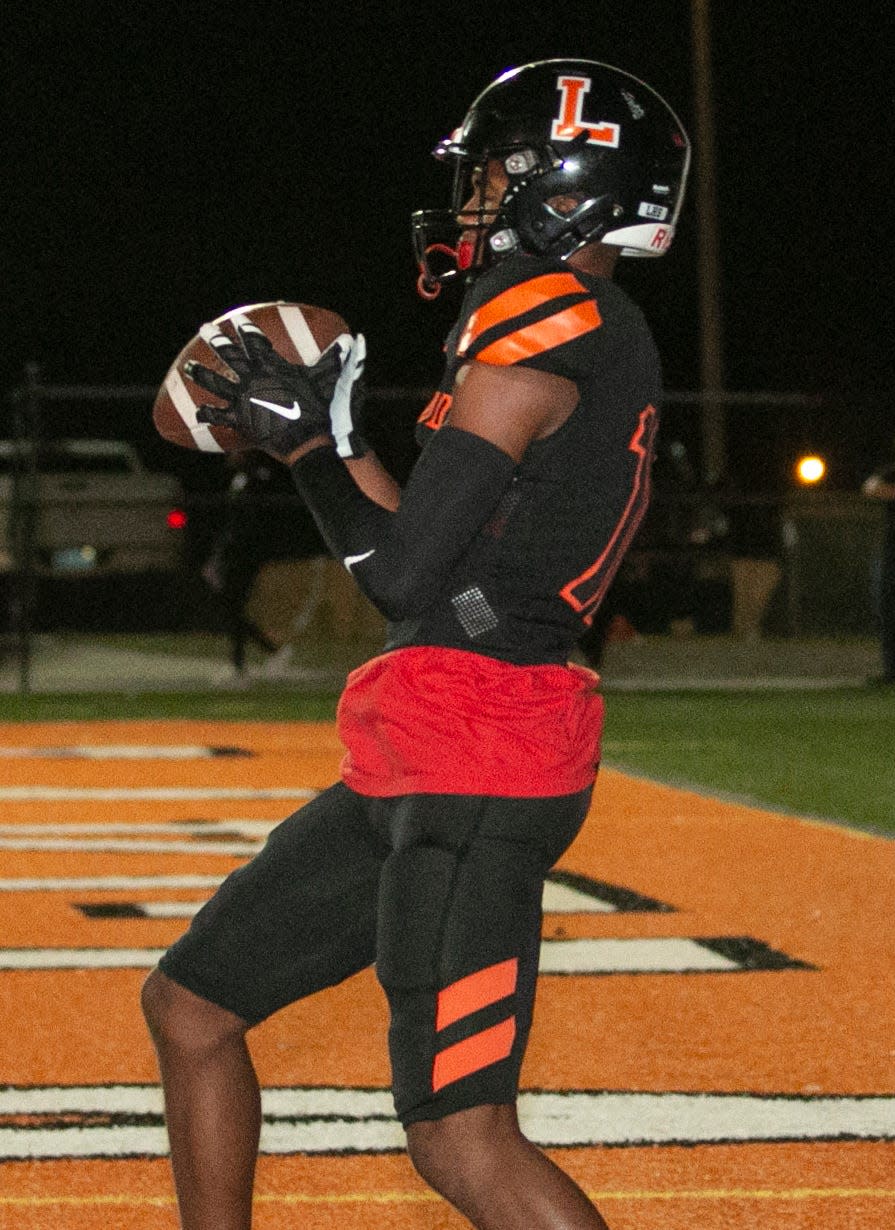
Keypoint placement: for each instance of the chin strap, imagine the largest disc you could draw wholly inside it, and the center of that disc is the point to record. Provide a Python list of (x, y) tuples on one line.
[(427, 284), (463, 258), (427, 288)]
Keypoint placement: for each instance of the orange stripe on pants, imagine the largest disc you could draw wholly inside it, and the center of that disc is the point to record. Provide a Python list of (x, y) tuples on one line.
[(468, 995), (473, 1053)]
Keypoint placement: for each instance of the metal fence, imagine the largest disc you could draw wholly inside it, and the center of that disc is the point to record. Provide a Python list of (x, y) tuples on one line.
[(712, 559)]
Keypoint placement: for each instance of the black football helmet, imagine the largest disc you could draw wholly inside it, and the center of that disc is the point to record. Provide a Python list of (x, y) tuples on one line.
[(560, 128)]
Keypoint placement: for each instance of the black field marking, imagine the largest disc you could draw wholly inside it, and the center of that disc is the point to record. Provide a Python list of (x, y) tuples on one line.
[(753, 954), (115, 1121), (112, 909), (622, 900), (140, 909)]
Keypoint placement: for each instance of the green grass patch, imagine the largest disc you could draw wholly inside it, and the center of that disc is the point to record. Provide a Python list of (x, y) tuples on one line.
[(258, 704), (827, 753)]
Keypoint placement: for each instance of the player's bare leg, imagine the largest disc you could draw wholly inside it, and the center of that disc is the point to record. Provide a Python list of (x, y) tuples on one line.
[(479, 1161), (212, 1104)]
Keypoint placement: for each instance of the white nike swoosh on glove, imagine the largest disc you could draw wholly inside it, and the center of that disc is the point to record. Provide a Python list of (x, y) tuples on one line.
[(288, 412)]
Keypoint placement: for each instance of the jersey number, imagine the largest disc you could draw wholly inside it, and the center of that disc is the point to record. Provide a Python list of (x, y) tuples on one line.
[(585, 593)]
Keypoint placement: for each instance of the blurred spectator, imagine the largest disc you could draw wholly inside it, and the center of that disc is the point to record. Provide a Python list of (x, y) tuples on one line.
[(881, 486), (265, 521), (660, 585)]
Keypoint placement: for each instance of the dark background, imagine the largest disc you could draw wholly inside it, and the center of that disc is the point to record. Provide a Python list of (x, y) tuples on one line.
[(166, 161)]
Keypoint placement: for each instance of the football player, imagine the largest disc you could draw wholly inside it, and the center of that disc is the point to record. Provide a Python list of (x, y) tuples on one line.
[(472, 744)]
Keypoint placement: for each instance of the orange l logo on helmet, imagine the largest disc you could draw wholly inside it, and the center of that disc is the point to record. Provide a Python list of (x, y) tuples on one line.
[(570, 122)]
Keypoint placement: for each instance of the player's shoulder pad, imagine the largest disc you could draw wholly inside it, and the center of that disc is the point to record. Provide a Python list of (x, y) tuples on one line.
[(523, 307)]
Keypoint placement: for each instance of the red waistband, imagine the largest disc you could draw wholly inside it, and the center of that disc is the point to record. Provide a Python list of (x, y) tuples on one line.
[(427, 720)]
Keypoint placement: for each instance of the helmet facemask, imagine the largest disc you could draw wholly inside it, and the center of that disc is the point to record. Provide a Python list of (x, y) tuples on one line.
[(453, 243), (480, 226)]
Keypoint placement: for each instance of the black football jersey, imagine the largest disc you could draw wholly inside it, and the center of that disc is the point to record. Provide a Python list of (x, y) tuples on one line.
[(532, 579)]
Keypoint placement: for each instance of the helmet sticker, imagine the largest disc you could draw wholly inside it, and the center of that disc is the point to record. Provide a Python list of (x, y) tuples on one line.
[(634, 106), (646, 209), (570, 123)]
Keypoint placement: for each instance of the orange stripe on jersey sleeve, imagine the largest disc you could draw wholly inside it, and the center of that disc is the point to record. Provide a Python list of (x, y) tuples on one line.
[(543, 335), (435, 411), (515, 301), (468, 995), (473, 1054)]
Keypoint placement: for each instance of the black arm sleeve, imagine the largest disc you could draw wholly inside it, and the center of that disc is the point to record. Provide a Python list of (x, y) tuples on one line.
[(401, 560)]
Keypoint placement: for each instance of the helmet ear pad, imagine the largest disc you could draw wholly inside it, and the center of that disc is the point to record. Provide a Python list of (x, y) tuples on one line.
[(541, 227)]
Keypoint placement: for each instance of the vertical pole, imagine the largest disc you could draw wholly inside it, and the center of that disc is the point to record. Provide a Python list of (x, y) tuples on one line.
[(23, 515), (711, 342)]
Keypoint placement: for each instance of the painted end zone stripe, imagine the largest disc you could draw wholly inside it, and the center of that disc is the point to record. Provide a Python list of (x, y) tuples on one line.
[(121, 751), (670, 955), (104, 884), (79, 958), (130, 846), (232, 827), (685, 1118), (581, 957), (629, 956), (557, 899), (612, 897), (120, 1120)]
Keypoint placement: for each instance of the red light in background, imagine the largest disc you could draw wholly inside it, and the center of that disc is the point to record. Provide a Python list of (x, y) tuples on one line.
[(176, 519)]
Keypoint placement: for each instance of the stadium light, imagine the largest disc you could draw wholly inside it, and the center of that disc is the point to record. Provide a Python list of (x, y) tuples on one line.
[(810, 469)]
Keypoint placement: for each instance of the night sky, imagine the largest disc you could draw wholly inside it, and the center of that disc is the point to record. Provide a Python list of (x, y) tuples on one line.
[(167, 161)]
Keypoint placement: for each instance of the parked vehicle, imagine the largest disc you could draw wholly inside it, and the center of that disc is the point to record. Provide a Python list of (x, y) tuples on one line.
[(87, 506)]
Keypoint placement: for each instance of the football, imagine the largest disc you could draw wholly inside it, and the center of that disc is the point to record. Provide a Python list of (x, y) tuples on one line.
[(297, 331)]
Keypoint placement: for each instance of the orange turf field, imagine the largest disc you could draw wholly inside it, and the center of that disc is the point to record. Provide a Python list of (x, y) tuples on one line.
[(813, 1031)]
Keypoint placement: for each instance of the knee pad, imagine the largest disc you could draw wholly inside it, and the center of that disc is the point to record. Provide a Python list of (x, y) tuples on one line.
[(415, 892), (457, 959)]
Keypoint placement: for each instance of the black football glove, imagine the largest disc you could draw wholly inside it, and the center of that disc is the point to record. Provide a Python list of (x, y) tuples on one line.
[(273, 404)]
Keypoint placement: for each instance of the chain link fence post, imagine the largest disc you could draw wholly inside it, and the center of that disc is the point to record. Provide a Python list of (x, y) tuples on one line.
[(23, 521)]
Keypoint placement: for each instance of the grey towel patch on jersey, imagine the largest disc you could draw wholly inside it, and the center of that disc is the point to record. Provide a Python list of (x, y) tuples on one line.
[(474, 611)]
